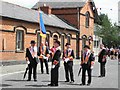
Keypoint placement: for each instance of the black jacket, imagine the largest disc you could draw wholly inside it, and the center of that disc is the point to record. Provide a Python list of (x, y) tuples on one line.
[(72, 54), (91, 58), (57, 57), (31, 59), (46, 52), (101, 55)]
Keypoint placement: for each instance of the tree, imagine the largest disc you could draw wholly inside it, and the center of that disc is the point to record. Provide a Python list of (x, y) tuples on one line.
[(108, 31)]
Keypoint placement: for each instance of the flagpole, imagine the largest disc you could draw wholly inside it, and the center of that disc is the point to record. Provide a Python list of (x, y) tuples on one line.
[(41, 23), (39, 17)]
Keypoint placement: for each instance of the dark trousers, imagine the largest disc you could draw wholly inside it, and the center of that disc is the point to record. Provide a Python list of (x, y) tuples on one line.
[(68, 69), (102, 69), (54, 75), (32, 67), (46, 65), (84, 69)]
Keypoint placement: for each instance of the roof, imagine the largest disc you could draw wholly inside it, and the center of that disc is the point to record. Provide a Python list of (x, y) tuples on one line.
[(62, 4), (21, 13)]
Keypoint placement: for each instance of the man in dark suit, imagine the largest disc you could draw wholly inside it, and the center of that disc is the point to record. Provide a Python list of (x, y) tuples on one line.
[(43, 52), (87, 60), (55, 64), (68, 56), (102, 60), (31, 55)]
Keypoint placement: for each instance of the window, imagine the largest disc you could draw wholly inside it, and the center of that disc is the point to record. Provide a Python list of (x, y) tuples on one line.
[(96, 44), (62, 42), (48, 39), (39, 39), (68, 39), (19, 40), (84, 39), (55, 37), (87, 19)]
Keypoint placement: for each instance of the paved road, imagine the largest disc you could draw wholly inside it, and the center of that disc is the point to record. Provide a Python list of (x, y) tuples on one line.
[(12, 77)]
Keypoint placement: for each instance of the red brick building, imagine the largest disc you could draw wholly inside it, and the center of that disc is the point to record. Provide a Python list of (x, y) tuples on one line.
[(20, 25), (80, 14)]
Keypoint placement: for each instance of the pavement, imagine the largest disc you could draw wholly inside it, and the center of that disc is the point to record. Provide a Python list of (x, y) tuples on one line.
[(12, 77)]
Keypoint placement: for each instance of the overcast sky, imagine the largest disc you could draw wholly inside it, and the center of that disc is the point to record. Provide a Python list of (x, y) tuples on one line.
[(109, 7)]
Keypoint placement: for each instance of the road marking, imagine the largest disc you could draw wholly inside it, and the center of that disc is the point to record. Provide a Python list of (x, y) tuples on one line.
[(11, 73)]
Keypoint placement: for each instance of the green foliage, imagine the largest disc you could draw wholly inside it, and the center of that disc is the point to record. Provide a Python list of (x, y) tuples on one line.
[(109, 32)]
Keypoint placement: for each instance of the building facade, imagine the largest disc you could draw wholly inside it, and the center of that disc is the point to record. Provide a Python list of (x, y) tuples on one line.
[(20, 25), (80, 15)]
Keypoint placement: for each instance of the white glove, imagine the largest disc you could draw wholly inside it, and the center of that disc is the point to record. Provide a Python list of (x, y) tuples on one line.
[(53, 66), (28, 62), (91, 67)]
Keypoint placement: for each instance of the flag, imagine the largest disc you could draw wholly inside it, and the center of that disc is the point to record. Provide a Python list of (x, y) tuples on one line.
[(42, 26)]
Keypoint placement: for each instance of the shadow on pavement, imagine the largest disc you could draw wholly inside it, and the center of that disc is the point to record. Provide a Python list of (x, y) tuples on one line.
[(50, 81), (37, 85), (73, 84), (4, 85), (95, 76), (16, 80), (46, 81)]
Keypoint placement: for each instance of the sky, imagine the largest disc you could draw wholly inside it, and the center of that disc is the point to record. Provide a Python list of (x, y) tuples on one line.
[(109, 7)]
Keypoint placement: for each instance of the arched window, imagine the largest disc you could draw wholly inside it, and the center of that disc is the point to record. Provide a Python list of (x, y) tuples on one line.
[(87, 21), (19, 40), (84, 39), (68, 39), (39, 39), (62, 42), (55, 37), (48, 39)]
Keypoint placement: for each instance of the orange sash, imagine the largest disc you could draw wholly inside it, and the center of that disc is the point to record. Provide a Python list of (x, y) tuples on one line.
[(86, 59)]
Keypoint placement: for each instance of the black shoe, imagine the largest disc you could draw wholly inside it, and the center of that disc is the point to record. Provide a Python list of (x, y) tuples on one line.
[(50, 84), (47, 73), (100, 76), (28, 80), (66, 81), (56, 85), (88, 84), (35, 80), (82, 84)]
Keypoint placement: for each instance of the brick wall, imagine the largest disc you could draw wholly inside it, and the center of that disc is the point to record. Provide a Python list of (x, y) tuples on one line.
[(9, 36), (69, 14)]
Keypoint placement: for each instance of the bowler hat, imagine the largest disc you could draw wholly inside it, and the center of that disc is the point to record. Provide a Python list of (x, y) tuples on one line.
[(32, 42), (67, 44)]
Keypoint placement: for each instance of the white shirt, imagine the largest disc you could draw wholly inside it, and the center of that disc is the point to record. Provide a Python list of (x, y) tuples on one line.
[(33, 49)]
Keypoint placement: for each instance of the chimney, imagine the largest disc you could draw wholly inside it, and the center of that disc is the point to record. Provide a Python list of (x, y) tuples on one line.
[(46, 9)]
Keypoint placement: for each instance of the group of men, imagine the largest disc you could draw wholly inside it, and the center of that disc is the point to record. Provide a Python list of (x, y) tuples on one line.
[(44, 53)]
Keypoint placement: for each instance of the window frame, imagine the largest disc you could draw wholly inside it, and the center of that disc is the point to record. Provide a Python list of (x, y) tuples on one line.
[(87, 19), (21, 49)]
